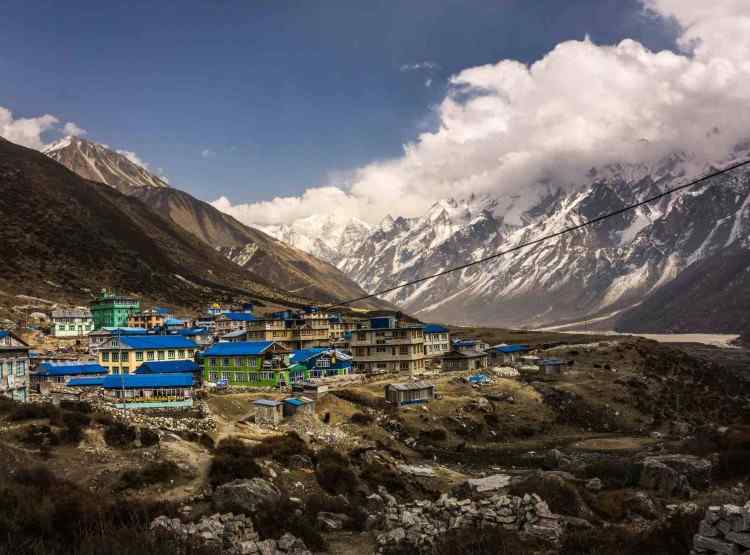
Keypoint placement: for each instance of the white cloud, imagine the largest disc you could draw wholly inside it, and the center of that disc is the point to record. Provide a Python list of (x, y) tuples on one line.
[(25, 131), (208, 153), (507, 128), (133, 157), (420, 66), (71, 128)]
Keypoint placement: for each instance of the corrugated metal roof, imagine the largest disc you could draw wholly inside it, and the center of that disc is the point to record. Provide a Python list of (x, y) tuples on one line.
[(147, 381), (238, 316), (235, 333), (407, 386), (173, 322), (435, 328), (238, 348), (73, 368), (85, 382), (167, 367), (267, 403), (510, 348), (551, 361), (157, 342)]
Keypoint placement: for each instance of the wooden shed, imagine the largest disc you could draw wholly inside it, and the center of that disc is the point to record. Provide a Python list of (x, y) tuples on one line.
[(409, 393), (299, 405), (268, 411)]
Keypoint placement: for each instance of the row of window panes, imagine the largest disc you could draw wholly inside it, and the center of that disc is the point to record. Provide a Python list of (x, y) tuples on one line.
[(6, 368), (251, 362), (150, 355), (253, 377)]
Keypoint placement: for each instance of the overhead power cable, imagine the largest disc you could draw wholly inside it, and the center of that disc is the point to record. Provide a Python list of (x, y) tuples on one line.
[(538, 240)]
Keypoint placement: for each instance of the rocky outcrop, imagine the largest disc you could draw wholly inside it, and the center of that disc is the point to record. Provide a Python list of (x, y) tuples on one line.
[(232, 534), (724, 529), (417, 526), (245, 495), (675, 475)]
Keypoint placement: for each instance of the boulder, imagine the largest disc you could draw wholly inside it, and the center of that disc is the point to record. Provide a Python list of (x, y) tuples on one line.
[(657, 476), (490, 484), (245, 495), (330, 522), (695, 469), (594, 485)]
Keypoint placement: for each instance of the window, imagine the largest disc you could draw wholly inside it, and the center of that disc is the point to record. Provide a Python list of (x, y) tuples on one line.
[(225, 362), (213, 376), (105, 357), (403, 350), (115, 357), (139, 356), (170, 355), (225, 376), (150, 355), (181, 353), (2, 369), (238, 362), (20, 368), (160, 355), (125, 370)]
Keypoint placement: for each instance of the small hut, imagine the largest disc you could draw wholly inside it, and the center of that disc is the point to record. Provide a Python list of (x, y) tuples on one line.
[(299, 405), (409, 393), (551, 366), (268, 411)]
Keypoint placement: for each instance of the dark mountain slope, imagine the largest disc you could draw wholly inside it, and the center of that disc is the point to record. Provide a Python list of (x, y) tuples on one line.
[(712, 296), (67, 237)]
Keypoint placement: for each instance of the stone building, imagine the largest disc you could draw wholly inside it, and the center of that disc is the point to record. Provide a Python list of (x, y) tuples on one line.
[(409, 393), (387, 344), (14, 366)]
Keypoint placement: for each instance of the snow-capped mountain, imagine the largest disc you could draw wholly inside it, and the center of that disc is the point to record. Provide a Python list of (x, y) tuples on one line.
[(96, 162), (326, 236), (602, 271)]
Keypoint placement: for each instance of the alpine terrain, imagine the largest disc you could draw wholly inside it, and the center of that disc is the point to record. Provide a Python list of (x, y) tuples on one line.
[(275, 261), (679, 264)]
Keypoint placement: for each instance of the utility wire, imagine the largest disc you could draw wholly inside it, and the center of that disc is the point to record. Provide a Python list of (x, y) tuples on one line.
[(547, 237)]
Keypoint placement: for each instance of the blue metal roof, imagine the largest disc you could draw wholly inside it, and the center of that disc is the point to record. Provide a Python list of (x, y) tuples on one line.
[(238, 348), (551, 361), (167, 367), (157, 342), (294, 401), (147, 381), (126, 331), (4, 333), (510, 348), (478, 378), (239, 316), (76, 368), (435, 328), (85, 382), (303, 355), (173, 322), (190, 332)]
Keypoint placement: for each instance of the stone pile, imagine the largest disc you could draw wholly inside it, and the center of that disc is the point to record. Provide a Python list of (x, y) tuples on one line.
[(176, 424), (418, 525), (724, 529), (233, 534), (675, 475)]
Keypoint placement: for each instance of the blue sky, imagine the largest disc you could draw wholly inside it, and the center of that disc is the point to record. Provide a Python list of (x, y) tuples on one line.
[(254, 99)]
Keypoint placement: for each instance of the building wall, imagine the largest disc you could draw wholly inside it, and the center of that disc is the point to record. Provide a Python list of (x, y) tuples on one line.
[(113, 311), (14, 374), (67, 326), (388, 349), (248, 371), (126, 361), (436, 343)]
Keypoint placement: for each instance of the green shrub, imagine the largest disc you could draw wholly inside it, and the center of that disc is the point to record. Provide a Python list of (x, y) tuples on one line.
[(148, 437), (361, 419), (280, 448), (334, 472)]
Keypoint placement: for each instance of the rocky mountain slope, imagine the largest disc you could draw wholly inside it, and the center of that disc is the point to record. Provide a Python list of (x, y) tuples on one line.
[(273, 260), (65, 237), (603, 271)]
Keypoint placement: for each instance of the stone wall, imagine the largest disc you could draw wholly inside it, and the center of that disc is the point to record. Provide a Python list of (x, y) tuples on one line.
[(418, 525), (725, 529)]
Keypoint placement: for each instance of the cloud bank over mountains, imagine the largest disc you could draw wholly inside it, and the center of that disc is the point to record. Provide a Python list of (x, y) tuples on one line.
[(512, 129)]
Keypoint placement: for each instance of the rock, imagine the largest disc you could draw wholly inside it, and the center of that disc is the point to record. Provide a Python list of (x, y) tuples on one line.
[(594, 485), (489, 484), (247, 495), (331, 522), (657, 476), (742, 539), (300, 461), (554, 459), (695, 469), (417, 470), (638, 503), (712, 544)]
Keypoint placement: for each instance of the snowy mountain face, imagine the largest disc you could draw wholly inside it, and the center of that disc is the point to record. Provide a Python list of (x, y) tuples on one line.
[(600, 271), (98, 163), (325, 236)]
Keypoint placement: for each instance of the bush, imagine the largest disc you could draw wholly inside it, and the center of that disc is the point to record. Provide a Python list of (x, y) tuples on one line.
[(38, 436), (319, 503), (76, 406), (104, 419), (273, 520), (34, 411), (206, 441), (154, 473), (615, 473), (733, 464), (119, 435), (377, 474), (361, 419), (334, 472), (281, 448), (148, 437), (76, 419), (232, 460), (561, 496), (436, 434)]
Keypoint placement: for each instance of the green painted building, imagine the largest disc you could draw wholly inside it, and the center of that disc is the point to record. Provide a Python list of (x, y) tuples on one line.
[(251, 364), (111, 310)]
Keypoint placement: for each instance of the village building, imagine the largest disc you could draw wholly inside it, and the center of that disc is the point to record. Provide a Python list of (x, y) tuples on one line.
[(551, 366), (464, 361), (409, 393), (71, 322), (250, 364), (437, 340), (313, 390), (470, 346), (299, 405), (387, 344), (123, 354), (150, 319), (507, 354), (232, 321), (149, 391), (200, 336), (175, 324), (340, 329), (294, 331), (99, 338), (14, 366), (169, 367), (61, 372), (268, 412), (323, 362), (111, 310)]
